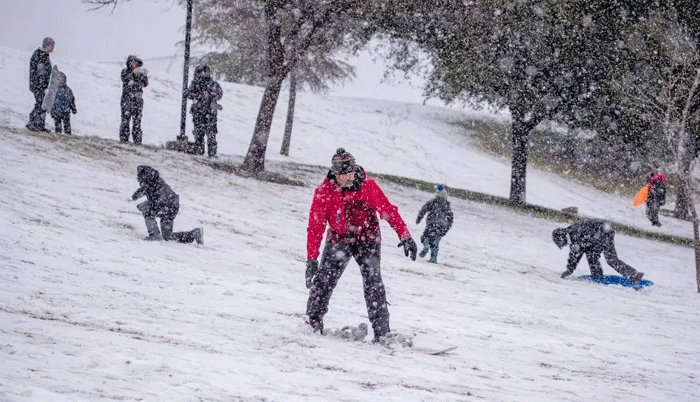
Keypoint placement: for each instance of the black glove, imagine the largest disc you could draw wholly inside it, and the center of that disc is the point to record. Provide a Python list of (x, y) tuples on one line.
[(409, 246), (311, 269)]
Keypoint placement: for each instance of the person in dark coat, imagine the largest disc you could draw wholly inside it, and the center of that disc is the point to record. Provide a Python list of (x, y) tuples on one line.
[(205, 93), (63, 105), (134, 79), (39, 76), (437, 223), (348, 202), (161, 202), (593, 237), (657, 195)]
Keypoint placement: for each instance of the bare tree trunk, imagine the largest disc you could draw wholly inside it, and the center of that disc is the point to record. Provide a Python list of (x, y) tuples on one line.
[(682, 201), (290, 114), (696, 245), (254, 161), (696, 234), (520, 131), (685, 159)]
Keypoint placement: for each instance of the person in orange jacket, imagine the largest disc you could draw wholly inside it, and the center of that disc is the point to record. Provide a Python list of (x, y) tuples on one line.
[(348, 202)]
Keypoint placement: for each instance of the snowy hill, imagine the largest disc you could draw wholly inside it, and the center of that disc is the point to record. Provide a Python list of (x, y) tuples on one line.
[(91, 312)]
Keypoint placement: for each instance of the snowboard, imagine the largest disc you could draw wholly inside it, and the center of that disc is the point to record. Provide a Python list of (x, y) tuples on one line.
[(641, 196), (431, 351), (50, 96), (618, 280)]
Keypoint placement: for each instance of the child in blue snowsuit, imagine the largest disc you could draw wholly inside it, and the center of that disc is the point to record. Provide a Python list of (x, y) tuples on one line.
[(63, 105), (438, 222)]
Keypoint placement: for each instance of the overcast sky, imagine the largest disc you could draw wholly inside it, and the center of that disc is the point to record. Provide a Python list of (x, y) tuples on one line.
[(146, 28)]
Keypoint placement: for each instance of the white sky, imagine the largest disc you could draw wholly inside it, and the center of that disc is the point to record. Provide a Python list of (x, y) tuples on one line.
[(146, 28)]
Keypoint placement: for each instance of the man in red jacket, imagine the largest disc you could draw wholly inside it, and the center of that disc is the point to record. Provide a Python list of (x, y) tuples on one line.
[(348, 202)]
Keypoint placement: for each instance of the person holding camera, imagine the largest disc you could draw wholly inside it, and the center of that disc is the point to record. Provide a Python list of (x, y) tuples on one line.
[(134, 79), (205, 93)]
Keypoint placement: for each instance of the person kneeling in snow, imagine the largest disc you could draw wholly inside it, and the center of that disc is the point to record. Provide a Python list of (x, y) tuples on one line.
[(593, 237), (163, 203), (349, 201)]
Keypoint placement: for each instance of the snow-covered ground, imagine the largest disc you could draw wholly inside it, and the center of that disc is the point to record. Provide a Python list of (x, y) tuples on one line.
[(91, 312)]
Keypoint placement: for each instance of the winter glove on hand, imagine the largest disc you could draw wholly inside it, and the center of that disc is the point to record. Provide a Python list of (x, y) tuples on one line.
[(409, 246), (311, 269)]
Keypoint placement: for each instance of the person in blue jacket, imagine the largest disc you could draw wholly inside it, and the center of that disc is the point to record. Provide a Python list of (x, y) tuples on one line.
[(437, 224), (63, 105)]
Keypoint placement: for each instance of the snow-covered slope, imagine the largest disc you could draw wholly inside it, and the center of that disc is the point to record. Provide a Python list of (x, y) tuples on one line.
[(404, 139), (91, 312)]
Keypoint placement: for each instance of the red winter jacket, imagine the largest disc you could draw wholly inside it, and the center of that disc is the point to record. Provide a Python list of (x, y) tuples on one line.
[(351, 215)]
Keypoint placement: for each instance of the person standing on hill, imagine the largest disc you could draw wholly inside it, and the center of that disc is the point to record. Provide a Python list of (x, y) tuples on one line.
[(63, 105), (593, 237), (348, 201), (39, 76), (437, 223), (657, 195), (134, 79), (205, 92), (161, 202)]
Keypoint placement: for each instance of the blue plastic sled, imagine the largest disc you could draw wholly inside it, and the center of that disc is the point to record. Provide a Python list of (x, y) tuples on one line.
[(618, 280)]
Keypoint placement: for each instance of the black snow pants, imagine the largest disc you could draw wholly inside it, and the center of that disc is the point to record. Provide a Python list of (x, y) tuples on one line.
[(204, 125), (605, 246), (167, 219), (62, 123), (335, 258), (653, 207), (132, 108), (37, 117)]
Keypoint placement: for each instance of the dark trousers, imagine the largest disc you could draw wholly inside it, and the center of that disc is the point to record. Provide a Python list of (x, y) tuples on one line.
[(37, 117), (132, 109), (204, 125), (166, 227), (653, 207), (335, 258), (605, 246), (432, 238), (62, 121)]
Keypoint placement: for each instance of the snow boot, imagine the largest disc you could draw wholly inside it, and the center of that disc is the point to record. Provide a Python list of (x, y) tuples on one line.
[(426, 248), (433, 256), (636, 278), (152, 227), (198, 235), (393, 339)]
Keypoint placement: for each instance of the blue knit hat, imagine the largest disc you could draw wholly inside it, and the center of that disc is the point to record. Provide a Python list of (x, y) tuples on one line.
[(440, 190)]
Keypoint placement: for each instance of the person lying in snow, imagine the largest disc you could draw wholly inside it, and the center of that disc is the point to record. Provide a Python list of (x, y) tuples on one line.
[(161, 202), (348, 202), (593, 237)]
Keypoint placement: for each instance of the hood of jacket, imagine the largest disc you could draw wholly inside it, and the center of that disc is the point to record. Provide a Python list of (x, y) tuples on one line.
[(131, 58), (146, 174)]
